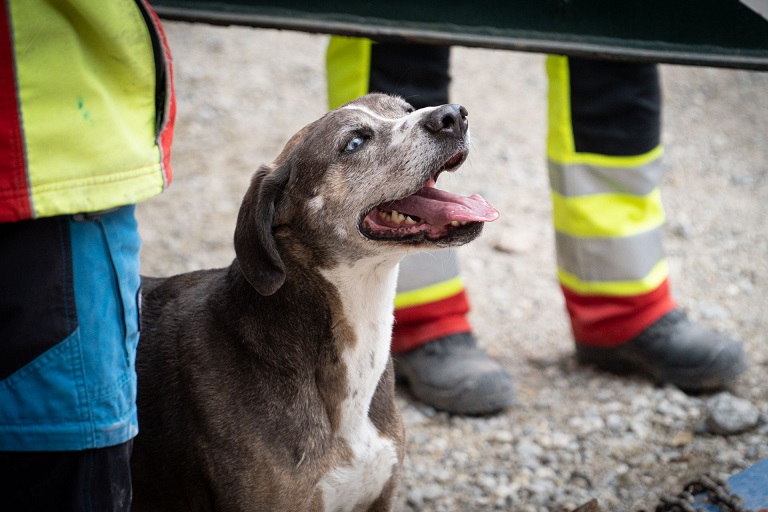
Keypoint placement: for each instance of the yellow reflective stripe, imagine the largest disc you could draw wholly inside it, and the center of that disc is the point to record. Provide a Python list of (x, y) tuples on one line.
[(431, 293), (560, 133), (348, 65), (607, 215), (101, 123), (655, 277)]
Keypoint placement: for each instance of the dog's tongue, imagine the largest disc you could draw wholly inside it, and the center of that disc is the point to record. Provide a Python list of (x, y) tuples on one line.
[(439, 207)]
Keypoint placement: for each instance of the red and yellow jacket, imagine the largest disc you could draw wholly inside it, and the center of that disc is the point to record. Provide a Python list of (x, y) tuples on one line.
[(86, 106)]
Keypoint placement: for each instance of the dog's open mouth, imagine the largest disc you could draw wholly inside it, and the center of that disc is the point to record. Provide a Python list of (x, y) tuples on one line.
[(429, 213)]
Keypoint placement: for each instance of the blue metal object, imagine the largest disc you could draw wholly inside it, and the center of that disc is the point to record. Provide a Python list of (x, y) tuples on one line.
[(752, 485)]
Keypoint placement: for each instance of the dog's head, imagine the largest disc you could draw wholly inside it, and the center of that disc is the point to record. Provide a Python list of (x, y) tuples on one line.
[(360, 181)]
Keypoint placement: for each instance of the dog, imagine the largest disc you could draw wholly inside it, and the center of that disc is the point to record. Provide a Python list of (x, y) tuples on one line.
[(268, 385)]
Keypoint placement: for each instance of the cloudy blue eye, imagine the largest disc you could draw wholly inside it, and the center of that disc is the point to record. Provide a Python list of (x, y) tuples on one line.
[(354, 144)]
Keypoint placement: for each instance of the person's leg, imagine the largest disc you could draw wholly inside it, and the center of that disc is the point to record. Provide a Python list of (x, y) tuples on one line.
[(604, 157), (433, 345), (98, 479), (68, 334), (434, 349)]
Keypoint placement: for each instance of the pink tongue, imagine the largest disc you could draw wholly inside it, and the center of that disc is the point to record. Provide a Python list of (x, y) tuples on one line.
[(439, 207)]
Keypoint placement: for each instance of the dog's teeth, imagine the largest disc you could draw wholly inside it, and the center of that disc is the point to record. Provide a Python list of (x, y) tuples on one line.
[(464, 223), (455, 223), (396, 217)]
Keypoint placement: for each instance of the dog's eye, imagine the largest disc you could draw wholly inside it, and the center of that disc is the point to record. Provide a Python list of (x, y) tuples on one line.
[(354, 144), (409, 110)]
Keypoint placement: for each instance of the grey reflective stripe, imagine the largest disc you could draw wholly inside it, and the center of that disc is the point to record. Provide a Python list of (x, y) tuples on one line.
[(610, 259), (574, 180), (427, 268)]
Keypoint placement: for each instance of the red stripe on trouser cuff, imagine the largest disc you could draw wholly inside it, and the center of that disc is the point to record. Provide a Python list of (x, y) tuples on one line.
[(605, 321), (13, 175), (416, 325)]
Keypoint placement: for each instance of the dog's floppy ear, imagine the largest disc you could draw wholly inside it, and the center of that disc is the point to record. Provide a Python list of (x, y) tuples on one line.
[(255, 245)]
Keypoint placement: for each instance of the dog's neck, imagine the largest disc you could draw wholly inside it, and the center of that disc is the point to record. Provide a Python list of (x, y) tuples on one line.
[(367, 291)]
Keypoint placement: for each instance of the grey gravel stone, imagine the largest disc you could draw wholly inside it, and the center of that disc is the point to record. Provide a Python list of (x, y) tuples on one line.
[(727, 414), (713, 311)]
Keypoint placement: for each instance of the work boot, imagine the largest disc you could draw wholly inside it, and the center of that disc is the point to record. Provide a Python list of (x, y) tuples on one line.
[(453, 374), (674, 350)]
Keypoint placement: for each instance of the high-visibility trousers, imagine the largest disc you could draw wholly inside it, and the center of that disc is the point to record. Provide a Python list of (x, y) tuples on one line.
[(604, 158)]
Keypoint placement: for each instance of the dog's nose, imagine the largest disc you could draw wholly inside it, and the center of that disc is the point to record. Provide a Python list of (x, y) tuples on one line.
[(448, 119)]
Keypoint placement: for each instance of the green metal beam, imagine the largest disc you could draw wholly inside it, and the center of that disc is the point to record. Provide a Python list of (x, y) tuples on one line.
[(722, 33)]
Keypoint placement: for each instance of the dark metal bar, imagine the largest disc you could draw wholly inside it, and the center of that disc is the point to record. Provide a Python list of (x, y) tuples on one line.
[(720, 33)]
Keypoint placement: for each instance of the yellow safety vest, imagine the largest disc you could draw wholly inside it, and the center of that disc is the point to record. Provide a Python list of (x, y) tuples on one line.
[(86, 106)]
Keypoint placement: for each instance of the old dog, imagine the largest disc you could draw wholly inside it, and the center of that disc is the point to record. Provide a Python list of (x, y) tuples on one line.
[(268, 385)]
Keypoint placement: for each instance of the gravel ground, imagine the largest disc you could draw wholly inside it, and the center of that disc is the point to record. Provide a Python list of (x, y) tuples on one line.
[(574, 433)]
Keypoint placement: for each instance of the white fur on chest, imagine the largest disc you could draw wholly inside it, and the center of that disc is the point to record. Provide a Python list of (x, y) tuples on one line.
[(367, 290), (355, 487)]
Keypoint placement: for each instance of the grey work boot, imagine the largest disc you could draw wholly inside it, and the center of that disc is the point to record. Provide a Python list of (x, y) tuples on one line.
[(674, 350), (453, 374)]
